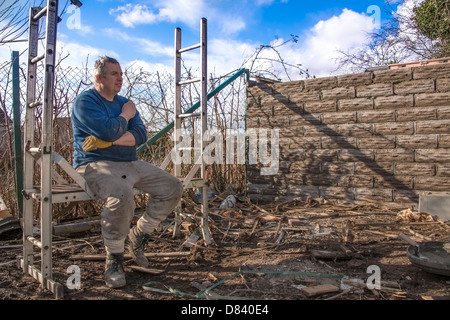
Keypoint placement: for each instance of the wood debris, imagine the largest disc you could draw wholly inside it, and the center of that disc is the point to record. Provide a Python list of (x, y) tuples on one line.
[(146, 270), (102, 257), (319, 290), (316, 237), (409, 215), (330, 255)]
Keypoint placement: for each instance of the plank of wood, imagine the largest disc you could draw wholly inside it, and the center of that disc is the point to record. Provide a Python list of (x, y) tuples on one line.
[(78, 227), (146, 270), (330, 255), (320, 289), (295, 222)]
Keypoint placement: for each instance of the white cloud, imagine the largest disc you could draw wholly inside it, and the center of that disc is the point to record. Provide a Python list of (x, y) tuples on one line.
[(407, 6), (186, 11), (6, 51), (148, 67), (327, 37), (225, 56), (232, 25), (152, 48), (318, 49), (131, 15), (85, 30), (77, 55), (264, 2), (268, 2), (406, 10)]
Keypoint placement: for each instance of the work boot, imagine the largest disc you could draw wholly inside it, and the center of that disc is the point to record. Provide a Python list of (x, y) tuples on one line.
[(136, 245), (114, 273)]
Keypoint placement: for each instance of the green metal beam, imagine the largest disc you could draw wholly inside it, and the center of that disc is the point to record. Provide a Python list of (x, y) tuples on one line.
[(167, 128)]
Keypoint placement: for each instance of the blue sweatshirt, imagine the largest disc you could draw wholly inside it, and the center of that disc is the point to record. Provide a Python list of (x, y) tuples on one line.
[(96, 116)]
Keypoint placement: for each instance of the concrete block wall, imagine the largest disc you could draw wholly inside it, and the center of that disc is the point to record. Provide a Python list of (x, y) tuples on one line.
[(381, 136)]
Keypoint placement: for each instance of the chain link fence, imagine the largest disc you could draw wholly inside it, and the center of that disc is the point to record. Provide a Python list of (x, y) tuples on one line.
[(153, 94)]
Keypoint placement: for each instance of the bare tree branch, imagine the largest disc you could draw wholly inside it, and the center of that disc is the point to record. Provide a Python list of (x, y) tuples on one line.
[(262, 64), (14, 18), (398, 40)]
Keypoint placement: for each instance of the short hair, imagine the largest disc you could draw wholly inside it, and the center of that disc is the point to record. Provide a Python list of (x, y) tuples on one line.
[(99, 66)]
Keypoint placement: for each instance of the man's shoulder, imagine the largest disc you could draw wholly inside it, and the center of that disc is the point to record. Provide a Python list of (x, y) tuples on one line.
[(86, 95), (87, 92)]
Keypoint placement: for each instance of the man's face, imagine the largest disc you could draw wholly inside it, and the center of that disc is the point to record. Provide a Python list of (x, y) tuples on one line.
[(112, 81)]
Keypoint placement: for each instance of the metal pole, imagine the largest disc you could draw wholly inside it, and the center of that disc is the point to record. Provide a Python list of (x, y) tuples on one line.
[(29, 140), (47, 140), (177, 120), (204, 124), (177, 106)]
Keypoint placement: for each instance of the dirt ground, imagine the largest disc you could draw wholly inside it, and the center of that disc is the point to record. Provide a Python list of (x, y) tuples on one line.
[(299, 250)]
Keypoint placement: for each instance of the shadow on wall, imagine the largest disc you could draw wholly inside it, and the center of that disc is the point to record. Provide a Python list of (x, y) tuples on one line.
[(319, 169)]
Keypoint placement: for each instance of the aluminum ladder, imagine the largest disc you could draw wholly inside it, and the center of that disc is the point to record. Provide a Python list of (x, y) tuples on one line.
[(196, 178), (51, 188)]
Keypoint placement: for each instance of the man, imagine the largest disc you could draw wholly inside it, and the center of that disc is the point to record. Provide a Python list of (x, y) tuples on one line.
[(107, 128)]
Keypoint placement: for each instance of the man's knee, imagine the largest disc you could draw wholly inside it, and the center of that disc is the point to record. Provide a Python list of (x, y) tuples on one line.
[(121, 197)]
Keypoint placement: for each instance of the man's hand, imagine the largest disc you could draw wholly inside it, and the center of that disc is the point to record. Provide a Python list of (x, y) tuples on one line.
[(92, 143), (128, 110)]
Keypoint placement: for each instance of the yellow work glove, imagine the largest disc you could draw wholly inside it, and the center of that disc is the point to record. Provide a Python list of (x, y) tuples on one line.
[(92, 143)]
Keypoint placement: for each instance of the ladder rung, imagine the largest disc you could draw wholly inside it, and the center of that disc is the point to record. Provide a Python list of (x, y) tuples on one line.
[(37, 59), (61, 193), (189, 115), (35, 241), (40, 14), (189, 81), (35, 104), (195, 46), (34, 150)]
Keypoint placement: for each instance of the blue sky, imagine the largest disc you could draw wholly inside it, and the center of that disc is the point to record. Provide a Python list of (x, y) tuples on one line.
[(141, 33)]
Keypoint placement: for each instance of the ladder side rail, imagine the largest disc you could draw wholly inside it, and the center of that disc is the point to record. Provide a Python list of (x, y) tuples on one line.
[(177, 98), (203, 91), (29, 132), (47, 141), (204, 125), (177, 121)]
